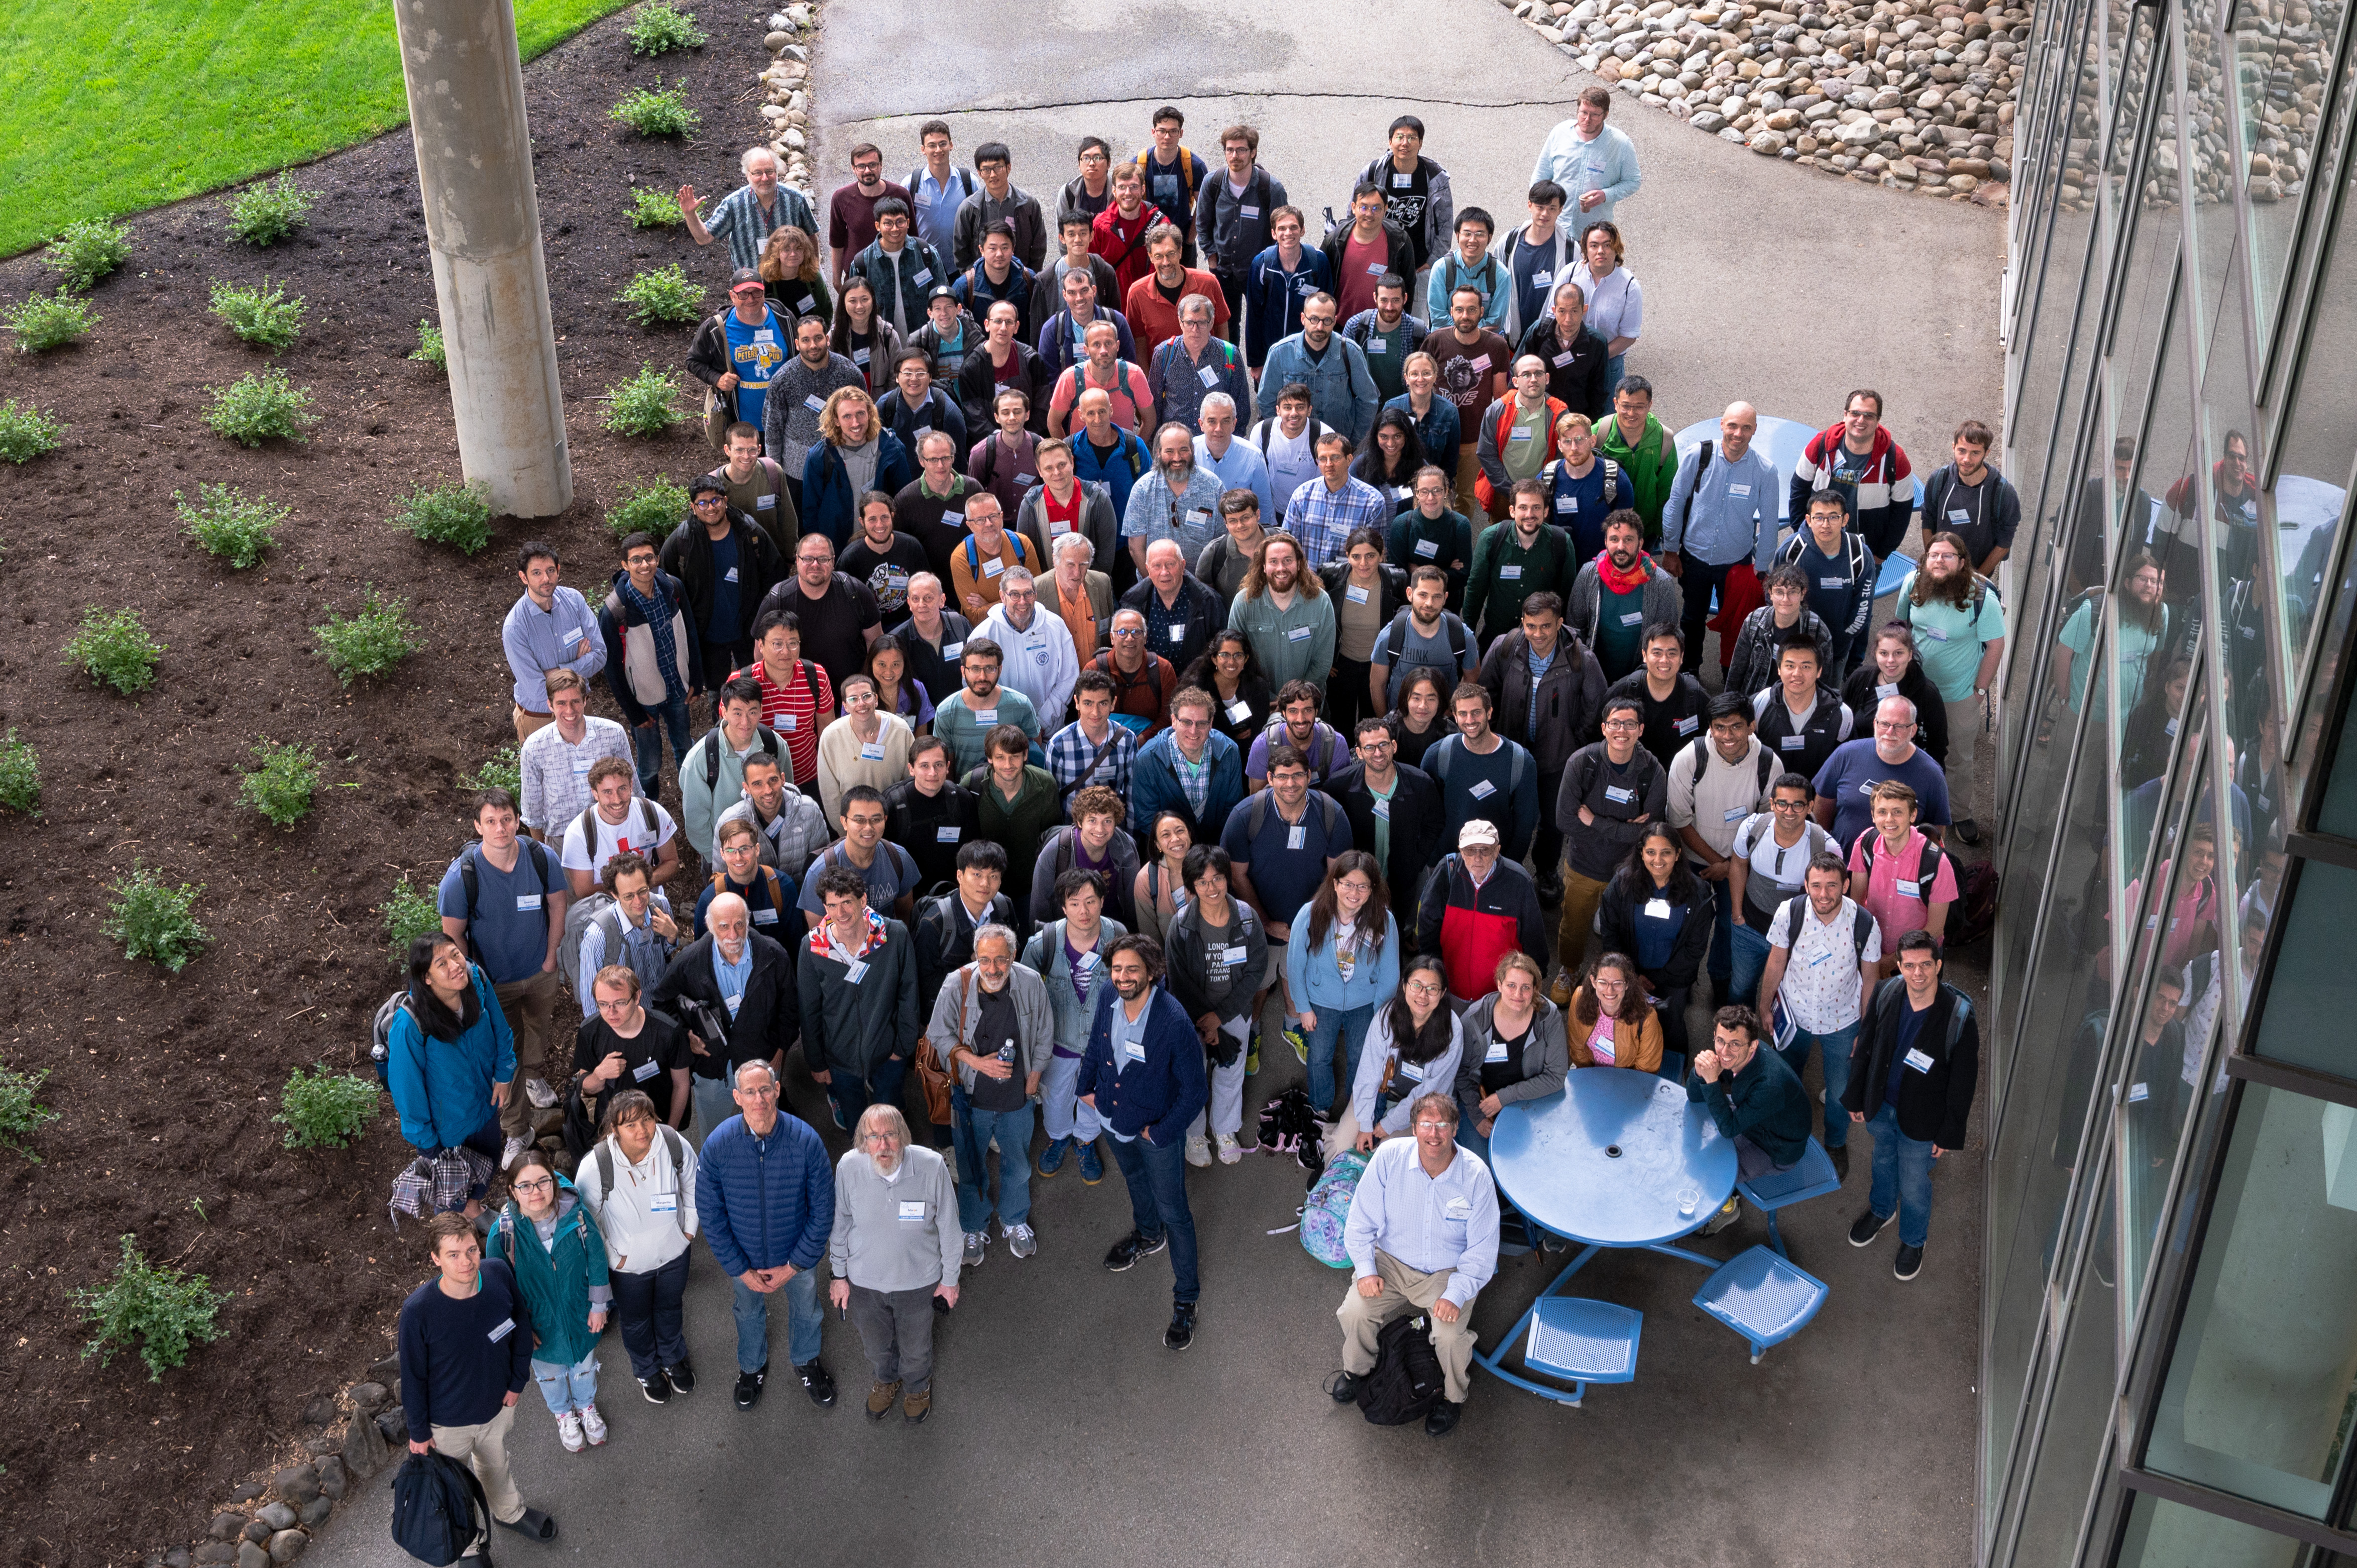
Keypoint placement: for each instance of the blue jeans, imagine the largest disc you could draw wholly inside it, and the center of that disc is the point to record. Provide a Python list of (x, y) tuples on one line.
[(1748, 949), (802, 1321), (1835, 1049), (567, 1388), (852, 1095), (650, 1309), (1614, 368), (971, 1130), (1903, 1176), (1351, 1024), (1157, 1174), (648, 739)]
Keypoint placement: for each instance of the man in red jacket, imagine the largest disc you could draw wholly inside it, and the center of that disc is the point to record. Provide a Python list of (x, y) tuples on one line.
[(1476, 908), (1118, 234), (1858, 457), (1152, 301)]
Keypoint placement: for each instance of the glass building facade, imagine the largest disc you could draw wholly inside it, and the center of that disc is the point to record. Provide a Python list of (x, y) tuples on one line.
[(2169, 1323)]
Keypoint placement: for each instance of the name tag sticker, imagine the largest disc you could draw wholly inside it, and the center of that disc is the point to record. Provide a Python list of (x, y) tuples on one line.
[(1918, 1060), (506, 1326), (1833, 582), (664, 1203), (855, 971), (1617, 795), (1510, 574), (1239, 710), (1657, 909), (1234, 952), (581, 765), (1567, 503), (646, 1070), (1886, 689), (1378, 344), (1479, 362), (1134, 1051), (1427, 549), (952, 649), (1383, 810), (1209, 375), (1496, 1053), (1739, 492), (765, 917), (871, 751), (1249, 211), (1959, 516), (527, 902), (858, 357), (951, 518), (1376, 269), (1402, 181), (912, 1208), (1298, 634), (1415, 1074), (1199, 517), (1565, 357), (1908, 889), (924, 276), (993, 568), (790, 722), (1540, 280), (730, 575), (945, 835), (1296, 836), (816, 403), (1688, 725), (1179, 632), (1355, 594), (764, 504), (1933, 632), (1793, 742), (1634, 618), (1735, 814), (985, 716), (1484, 789), (2138, 1093)]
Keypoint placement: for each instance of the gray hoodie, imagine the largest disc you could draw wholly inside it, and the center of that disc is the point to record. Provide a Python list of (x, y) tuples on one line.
[(1546, 1055), (872, 1244)]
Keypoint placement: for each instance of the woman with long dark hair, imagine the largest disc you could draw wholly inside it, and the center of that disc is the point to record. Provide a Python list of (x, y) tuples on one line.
[(1658, 910), (1241, 698), (1895, 672), (1342, 960), (1160, 889), (450, 1092), (871, 343), (1611, 1024), (1389, 457), (897, 690), (1413, 1048)]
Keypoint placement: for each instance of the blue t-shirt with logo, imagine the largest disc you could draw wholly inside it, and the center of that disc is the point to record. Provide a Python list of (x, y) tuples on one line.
[(755, 353)]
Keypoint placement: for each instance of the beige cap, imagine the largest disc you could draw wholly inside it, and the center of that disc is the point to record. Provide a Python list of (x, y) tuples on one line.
[(1477, 832)]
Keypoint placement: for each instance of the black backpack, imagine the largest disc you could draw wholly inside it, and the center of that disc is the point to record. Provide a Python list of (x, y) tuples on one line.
[(763, 737), (1289, 1126), (439, 1509), (1767, 760), (1974, 914), (1406, 1380), (1861, 924)]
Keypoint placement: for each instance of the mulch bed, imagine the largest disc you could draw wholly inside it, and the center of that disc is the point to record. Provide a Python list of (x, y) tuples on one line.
[(167, 1084)]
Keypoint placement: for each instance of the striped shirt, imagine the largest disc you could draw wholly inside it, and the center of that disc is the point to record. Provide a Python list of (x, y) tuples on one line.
[(739, 221), (797, 710)]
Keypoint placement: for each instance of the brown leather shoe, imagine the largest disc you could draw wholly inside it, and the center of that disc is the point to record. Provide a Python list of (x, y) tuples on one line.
[(879, 1400), (1559, 991), (918, 1405)]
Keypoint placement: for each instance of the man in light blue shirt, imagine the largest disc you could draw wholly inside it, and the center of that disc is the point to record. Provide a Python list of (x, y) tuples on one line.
[(1596, 165), (1422, 1237), (550, 628), (937, 190), (1237, 465), (1177, 501), (1722, 512)]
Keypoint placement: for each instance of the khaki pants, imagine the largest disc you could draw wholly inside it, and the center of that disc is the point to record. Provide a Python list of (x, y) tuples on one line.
[(529, 1005), (1404, 1291), (484, 1448), (1468, 469), (527, 723), (1580, 897)]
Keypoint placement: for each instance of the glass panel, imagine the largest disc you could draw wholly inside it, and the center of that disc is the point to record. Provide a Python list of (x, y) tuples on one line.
[(2066, 312), (2206, 111), (2147, 813), (2262, 1375), (2078, 1413), (2307, 1020), (2162, 1534), (2282, 55), (2319, 433), (2337, 812)]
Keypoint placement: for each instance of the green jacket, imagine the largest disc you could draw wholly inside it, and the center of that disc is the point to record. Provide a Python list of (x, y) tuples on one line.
[(563, 1282), (1650, 466), (1494, 600), (1020, 825)]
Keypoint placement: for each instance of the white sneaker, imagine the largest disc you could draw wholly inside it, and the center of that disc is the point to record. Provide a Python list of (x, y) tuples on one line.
[(568, 1431), (1230, 1150), (1021, 1240), (593, 1425), (537, 1091), (1199, 1152), (515, 1147)]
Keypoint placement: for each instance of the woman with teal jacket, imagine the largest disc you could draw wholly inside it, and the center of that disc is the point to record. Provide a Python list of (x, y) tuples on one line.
[(1343, 960), (559, 1261)]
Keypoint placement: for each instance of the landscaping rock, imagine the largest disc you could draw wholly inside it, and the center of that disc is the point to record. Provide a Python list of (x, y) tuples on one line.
[(320, 1411), (296, 1484), (253, 1554), (273, 1517), (209, 1556), (225, 1526), (315, 1511), (368, 1398), (389, 1423), (333, 1479), (254, 1530), (365, 1449), (287, 1545), (177, 1557), (775, 41), (386, 1371), (248, 1492)]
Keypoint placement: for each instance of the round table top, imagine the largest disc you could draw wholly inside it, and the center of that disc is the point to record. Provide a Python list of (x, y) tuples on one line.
[(1604, 1161)]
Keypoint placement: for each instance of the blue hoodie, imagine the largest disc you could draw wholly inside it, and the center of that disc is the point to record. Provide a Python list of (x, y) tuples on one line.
[(1316, 980), (442, 1088)]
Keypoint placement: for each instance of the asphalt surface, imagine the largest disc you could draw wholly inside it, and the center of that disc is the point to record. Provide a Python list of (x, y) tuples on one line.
[(1063, 1430)]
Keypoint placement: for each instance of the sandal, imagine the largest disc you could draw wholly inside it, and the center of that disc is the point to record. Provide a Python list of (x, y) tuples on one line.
[(535, 1524)]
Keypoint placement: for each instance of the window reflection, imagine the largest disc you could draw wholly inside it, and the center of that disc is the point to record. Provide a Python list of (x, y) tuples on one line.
[(2312, 475), (2282, 55), (2163, 1534)]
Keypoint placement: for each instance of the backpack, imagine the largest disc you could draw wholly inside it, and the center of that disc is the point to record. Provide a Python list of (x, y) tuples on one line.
[(1289, 1126), (1328, 1209), (587, 824), (1701, 467), (1853, 556), (769, 874), (1460, 640), (1328, 811), (1927, 867), (762, 733), (1488, 268), (1022, 544), (1436, 760), (438, 1509), (675, 1146), (1186, 181), (578, 914), (469, 880), (1406, 1380), (1974, 914), (1767, 760), (1861, 924), (965, 184), (1904, 612), (380, 1033)]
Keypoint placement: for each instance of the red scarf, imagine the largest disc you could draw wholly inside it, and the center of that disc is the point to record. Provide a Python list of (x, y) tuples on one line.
[(1617, 582)]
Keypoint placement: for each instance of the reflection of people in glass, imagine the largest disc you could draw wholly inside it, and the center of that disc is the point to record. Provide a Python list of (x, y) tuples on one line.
[(2151, 727), (2237, 509), (2086, 562), (2143, 630), (2191, 919)]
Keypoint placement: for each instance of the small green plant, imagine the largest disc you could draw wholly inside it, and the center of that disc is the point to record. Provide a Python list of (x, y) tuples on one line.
[(662, 298), (371, 642), (267, 212), (447, 514), (262, 315), (653, 506), (86, 252), (155, 921), (281, 787), (114, 648), (657, 111), (325, 1109), (408, 914), (646, 405), (654, 209), (46, 321), (658, 27), (228, 523), (429, 349), (25, 433), (503, 770), (20, 775), (161, 1307), (259, 406), (21, 1111)]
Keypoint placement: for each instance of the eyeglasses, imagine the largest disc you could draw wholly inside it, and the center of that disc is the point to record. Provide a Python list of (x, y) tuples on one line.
[(1788, 805), (1622, 724), (546, 1184), (1129, 631), (702, 502), (1893, 726), (1424, 987), (767, 1092)]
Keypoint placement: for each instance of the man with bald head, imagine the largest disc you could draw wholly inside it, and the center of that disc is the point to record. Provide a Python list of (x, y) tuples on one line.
[(1180, 613), (742, 983), (1721, 513), (1106, 454)]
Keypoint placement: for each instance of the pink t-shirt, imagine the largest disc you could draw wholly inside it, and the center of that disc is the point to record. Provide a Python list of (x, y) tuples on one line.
[(1362, 267), (1892, 897), (2194, 905), (1599, 1043)]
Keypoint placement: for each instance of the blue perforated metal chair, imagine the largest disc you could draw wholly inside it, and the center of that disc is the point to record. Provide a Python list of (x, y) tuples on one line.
[(1583, 1342), (1813, 1176), (1762, 1297)]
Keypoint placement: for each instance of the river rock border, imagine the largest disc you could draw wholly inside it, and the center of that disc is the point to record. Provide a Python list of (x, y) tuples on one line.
[(785, 93), (1909, 94)]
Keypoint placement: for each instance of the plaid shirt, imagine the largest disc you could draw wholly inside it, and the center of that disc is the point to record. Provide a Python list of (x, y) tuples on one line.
[(1068, 751), (1322, 519), (738, 219), (439, 1182)]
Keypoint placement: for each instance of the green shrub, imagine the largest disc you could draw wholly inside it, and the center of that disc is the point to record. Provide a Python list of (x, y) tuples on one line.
[(662, 298), (654, 209), (408, 915), (46, 321), (263, 316), (267, 212), (658, 28), (652, 507), (114, 648), (371, 642), (86, 252), (21, 1111), (20, 775), (447, 514), (281, 787), (429, 349), (259, 406), (326, 1109), (503, 770), (226, 523), (155, 921), (646, 405), (25, 433), (657, 111), (162, 1308)]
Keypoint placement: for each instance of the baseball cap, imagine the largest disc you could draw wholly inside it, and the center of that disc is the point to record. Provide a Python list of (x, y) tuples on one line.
[(1477, 832), (742, 276)]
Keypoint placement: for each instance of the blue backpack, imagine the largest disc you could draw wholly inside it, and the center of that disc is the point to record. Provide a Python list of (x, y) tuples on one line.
[(1328, 1209)]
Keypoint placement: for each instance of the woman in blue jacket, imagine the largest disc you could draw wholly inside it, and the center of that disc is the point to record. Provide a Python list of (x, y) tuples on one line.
[(1343, 960), (449, 1056), (559, 1259), (855, 455)]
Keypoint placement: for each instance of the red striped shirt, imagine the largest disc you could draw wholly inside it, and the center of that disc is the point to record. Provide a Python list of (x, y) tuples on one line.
[(797, 710)]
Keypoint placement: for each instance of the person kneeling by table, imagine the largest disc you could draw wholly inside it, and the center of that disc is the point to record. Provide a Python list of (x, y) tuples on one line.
[(1755, 1099), (1421, 1235)]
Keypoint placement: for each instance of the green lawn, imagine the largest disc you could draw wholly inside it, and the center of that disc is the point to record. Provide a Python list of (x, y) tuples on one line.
[(111, 108)]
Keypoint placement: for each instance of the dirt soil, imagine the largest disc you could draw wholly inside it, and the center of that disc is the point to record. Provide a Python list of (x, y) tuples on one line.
[(167, 1084)]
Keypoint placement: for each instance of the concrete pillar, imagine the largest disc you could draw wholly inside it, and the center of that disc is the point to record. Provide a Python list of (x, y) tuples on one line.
[(465, 76)]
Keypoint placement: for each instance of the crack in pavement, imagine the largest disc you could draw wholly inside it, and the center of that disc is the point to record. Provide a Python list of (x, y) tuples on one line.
[(1166, 98)]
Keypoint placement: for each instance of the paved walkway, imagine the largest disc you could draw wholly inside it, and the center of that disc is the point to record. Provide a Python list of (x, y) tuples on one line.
[(1063, 1431)]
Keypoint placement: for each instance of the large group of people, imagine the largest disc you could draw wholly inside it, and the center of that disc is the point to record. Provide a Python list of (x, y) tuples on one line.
[(1132, 666)]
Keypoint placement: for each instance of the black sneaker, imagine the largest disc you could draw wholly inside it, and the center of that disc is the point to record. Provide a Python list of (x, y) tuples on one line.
[(657, 1389), (1181, 1332), (1344, 1385), (1868, 1227), (1839, 1154), (817, 1383), (1126, 1253), (1910, 1261), (1441, 1419), (748, 1387), (683, 1377), (1969, 831)]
